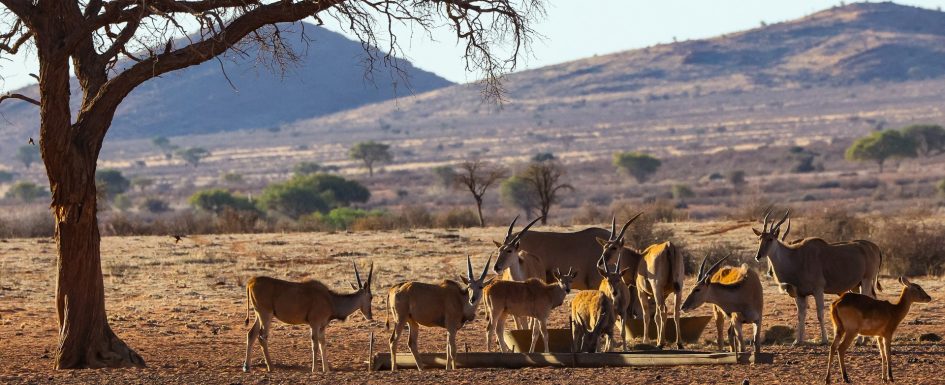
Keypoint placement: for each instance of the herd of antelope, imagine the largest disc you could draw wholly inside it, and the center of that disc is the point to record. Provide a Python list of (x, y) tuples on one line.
[(616, 283)]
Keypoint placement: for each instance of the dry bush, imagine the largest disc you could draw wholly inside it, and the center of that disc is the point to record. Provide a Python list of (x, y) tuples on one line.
[(415, 217), (377, 222), (643, 232), (833, 224), (718, 250), (456, 218), (232, 221), (28, 223), (911, 247), (753, 207), (589, 214)]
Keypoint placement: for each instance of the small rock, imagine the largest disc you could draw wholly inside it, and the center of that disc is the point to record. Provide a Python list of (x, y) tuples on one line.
[(930, 337)]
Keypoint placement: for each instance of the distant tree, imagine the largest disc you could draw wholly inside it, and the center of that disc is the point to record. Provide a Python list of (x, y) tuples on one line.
[(880, 146), (6, 176), (543, 156), (681, 191), (232, 178), (445, 176), (941, 187), (477, 177), (517, 193), (141, 183), (803, 159), (545, 181), (193, 155), (217, 200), (155, 206), (164, 144), (27, 154), (306, 194), (638, 165), (371, 153), (26, 192), (736, 178), (111, 182), (929, 138), (306, 168), (121, 202)]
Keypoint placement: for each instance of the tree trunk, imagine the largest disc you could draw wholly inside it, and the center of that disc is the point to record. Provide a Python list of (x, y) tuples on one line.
[(85, 338), (70, 153), (482, 222)]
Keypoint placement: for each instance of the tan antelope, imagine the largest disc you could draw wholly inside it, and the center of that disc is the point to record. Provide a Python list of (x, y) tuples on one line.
[(659, 272), (859, 315), (812, 267), (592, 317), (532, 298), (295, 303), (552, 251), (736, 294), (618, 292), (447, 305), (530, 267), (627, 261)]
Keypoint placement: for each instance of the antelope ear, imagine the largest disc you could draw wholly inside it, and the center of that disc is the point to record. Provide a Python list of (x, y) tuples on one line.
[(353, 286), (556, 274), (624, 270), (601, 271), (601, 241), (905, 281), (574, 274), (464, 279), (758, 233), (518, 244), (497, 244), (489, 281)]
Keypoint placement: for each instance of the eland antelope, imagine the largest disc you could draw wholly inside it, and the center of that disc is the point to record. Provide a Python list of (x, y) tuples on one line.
[(532, 298), (448, 305), (735, 293), (308, 302), (856, 314), (812, 267), (551, 251)]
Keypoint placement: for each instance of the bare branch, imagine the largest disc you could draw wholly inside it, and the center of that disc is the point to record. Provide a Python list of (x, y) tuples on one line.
[(19, 96)]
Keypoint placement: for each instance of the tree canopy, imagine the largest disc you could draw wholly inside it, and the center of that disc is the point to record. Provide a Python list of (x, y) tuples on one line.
[(929, 138), (217, 200), (881, 146), (637, 164), (111, 182), (371, 153), (306, 194)]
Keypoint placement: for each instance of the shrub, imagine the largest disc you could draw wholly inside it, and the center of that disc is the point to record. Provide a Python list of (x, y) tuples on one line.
[(111, 182), (589, 214), (217, 200), (306, 194), (834, 224), (6, 176), (307, 168), (638, 165), (416, 217), (26, 191), (681, 191), (911, 247), (154, 205), (445, 176), (642, 232), (456, 218), (720, 249), (941, 187), (30, 223)]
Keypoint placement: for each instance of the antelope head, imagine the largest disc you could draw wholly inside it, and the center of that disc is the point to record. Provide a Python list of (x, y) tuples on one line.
[(914, 292), (508, 249), (364, 289), (474, 285), (699, 292), (613, 277), (768, 237), (615, 243), (564, 280)]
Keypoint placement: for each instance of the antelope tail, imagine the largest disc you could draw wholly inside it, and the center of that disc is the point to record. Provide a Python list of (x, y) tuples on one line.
[(387, 321), (878, 286), (247, 305), (678, 272)]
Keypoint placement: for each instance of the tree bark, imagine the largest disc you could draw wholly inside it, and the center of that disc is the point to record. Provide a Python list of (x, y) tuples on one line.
[(482, 222), (70, 153)]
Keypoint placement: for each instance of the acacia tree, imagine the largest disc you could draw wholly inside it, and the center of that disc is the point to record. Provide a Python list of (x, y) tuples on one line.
[(113, 46), (544, 180), (477, 177)]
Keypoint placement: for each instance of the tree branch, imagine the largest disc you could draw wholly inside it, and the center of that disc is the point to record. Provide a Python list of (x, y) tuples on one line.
[(19, 96)]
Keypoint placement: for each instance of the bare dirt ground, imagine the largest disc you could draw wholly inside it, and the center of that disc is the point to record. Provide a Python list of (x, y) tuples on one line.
[(182, 307)]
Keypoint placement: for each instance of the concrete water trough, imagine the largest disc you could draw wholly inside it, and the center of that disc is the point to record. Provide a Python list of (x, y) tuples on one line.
[(381, 361), (691, 329)]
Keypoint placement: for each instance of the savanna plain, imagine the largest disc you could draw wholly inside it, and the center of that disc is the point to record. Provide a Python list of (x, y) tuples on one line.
[(182, 306)]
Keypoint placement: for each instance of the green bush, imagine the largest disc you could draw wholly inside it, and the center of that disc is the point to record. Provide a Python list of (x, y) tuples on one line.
[(111, 182), (217, 200), (306, 194), (26, 191), (6, 176), (154, 205), (880, 146), (681, 191), (638, 165)]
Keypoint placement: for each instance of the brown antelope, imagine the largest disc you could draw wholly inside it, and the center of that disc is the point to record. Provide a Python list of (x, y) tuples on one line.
[(613, 286), (592, 316), (308, 302), (532, 298), (859, 315), (627, 260), (812, 267), (447, 305), (736, 294), (552, 251), (530, 267)]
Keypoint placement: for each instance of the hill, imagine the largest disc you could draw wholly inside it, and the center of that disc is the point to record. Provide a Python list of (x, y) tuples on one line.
[(250, 92)]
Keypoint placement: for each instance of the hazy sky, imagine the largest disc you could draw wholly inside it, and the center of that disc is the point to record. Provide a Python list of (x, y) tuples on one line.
[(575, 29)]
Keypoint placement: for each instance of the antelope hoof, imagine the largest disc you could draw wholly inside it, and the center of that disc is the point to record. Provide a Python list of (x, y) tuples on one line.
[(797, 343), (679, 346), (245, 368)]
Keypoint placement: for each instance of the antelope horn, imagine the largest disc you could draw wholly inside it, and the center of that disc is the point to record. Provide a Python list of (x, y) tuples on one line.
[(521, 233), (764, 225), (702, 267), (357, 275), (570, 268), (613, 228), (469, 273), (784, 237), (712, 269), (485, 269), (370, 274), (511, 227), (617, 266), (625, 225), (778, 226)]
